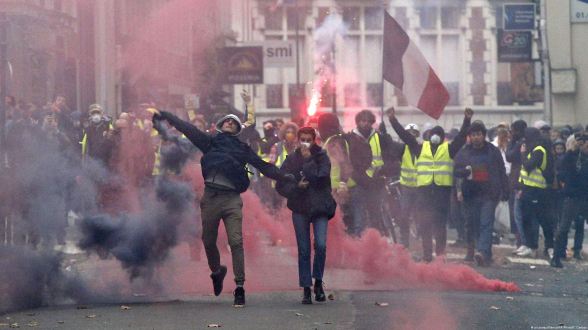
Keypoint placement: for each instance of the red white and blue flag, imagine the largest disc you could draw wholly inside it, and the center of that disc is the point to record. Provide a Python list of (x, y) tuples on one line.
[(405, 67)]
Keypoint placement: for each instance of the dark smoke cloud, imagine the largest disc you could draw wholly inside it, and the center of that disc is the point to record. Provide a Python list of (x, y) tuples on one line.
[(142, 242), (33, 278)]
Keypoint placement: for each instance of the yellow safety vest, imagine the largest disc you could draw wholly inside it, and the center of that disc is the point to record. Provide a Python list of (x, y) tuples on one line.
[(157, 163), (535, 178), (377, 160), (438, 168), (336, 169), (408, 169), (84, 142), (280, 159)]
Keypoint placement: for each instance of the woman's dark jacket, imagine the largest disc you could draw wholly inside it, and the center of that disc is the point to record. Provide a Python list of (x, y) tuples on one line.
[(316, 200)]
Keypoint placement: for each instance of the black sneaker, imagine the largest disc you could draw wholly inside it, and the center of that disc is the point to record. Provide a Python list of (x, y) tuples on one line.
[(239, 296), (555, 262), (577, 255), (319, 293), (217, 280), (307, 296)]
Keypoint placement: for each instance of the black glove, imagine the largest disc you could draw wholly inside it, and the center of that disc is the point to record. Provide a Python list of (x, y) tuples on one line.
[(289, 178), (161, 115)]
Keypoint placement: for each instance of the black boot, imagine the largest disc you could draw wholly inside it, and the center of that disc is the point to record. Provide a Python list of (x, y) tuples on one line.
[(239, 296), (577, 255), (218, 278), (319, 293), (307, 296), (555, 262)]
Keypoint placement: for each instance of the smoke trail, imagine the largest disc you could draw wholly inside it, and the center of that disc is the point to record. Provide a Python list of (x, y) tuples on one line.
[(141, 242), (325, 37)]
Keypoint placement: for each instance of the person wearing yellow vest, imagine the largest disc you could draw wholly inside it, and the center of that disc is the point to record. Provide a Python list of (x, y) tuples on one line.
[(96, 133), (408, 182), (338, 150), (479, 168), (369, 192), (434, 179), (537, 173)]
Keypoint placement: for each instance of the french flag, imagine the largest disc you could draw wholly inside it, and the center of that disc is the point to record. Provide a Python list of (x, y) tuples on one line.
[(406, 68)]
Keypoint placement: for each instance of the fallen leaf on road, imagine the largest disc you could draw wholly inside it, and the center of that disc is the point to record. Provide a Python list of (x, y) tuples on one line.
[(509, 298), (15, 325), (529, 284), (331, 297), (213, 326), (381, 304), (536, 294), (532, 267), (61, 322), (83, 307), (31, 314), (33, 324), (125, 308), (328, 322), (90, 316), (238, 306), (4, 324), (494, 308), (299, 314), (561, 323)]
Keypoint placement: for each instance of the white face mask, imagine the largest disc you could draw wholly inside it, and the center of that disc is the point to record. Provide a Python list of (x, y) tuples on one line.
[(306, 144), (95, 118), (435, 139)]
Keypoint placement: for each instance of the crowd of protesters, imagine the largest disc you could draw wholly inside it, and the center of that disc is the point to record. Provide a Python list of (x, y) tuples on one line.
[(457, 178)]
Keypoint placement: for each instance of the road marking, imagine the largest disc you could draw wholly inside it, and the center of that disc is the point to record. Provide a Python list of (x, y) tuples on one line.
[(528, 261)]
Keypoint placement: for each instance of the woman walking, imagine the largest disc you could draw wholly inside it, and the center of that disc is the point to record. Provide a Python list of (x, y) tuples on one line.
[(311, 202)]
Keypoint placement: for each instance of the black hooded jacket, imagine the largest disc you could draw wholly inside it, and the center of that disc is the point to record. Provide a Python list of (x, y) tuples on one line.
[(316, 200), (534, 139), (223, 153)]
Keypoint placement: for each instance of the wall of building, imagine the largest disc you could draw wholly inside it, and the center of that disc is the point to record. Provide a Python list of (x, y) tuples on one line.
[(461, 47)]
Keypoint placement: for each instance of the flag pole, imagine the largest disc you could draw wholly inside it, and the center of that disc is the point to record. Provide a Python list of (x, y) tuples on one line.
[(383, 59)]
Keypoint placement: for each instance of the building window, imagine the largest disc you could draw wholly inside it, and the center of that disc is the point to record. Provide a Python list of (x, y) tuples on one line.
[(323, 12), (291, 14), (429, 18), (352, 95), (374, 94), (440, 44), (273, 19), (374, 18), (450, 17), (351, 16), (273, 96)]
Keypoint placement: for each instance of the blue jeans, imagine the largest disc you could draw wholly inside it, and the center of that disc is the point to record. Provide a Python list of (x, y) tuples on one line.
[(480, 223), (302, 229), (518, 214), (367, 202), (573, 209)]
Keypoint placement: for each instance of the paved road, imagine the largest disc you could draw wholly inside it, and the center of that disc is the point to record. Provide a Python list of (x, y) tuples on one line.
[(550, 298)]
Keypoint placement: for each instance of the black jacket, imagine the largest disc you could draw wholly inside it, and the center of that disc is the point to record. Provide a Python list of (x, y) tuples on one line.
[(224, 153), (497, 172), (574, 174), (316, 200)]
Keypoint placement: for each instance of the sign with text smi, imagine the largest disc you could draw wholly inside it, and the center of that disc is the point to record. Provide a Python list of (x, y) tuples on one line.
[(519, 17), (579, 11), (277, 53)]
